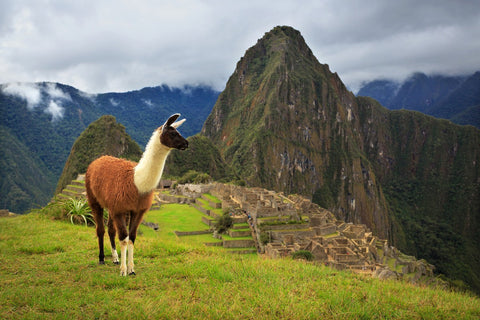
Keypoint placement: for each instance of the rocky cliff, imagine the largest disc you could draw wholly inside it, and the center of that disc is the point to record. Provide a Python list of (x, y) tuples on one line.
[(286, 122)]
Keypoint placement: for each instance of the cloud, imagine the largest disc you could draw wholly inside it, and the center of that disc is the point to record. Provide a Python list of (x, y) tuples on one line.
[(55, 109), (54, 92), (35, 97), (105, 46), (29, 92), (148, 102), (114, 102)]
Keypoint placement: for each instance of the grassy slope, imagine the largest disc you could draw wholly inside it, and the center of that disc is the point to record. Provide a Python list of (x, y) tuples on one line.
[(49, 270)]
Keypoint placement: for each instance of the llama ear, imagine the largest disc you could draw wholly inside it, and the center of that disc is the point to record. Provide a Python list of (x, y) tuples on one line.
[(171, 120), (178, 123)]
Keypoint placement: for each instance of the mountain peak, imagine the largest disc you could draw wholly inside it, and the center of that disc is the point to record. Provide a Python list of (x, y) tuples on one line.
[(282, 45), (286, 123), (105, 136)]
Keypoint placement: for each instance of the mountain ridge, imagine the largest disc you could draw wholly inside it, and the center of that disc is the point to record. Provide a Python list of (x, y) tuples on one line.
[(287, 123), (456, 98), (47, 118)]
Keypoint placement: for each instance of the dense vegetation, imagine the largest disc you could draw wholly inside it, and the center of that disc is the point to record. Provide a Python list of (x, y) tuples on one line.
[(17, 161), (37, 143), (45, 276), (102, 137), (201, 156)]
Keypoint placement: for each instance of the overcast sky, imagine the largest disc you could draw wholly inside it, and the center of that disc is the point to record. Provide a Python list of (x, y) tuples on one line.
[(114, 46)]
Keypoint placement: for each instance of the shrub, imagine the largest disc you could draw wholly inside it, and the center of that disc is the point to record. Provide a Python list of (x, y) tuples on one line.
[(264, 238), (78, 211), (54, 210), (303, 254), (193, 176), (223, 223)]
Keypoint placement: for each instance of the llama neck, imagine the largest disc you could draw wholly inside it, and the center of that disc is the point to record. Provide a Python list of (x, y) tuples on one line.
[(150, 167)]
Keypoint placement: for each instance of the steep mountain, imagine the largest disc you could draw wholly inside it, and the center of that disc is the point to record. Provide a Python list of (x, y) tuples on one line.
[(17, 161), (382, 90), (466, 96), (44, 119), (152, 106), (447, 97), (102, 137), (201, 156), (286, 122)]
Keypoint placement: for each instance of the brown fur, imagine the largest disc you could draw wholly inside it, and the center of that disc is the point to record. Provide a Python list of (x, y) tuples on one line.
[(109, 181), (109, 184), (114, 184)]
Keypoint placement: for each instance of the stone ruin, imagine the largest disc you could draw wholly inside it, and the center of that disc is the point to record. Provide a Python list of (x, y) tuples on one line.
[(283, 225)]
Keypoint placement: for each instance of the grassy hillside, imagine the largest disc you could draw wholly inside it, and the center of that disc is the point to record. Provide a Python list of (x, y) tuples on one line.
[(105, 136), (49, 270)]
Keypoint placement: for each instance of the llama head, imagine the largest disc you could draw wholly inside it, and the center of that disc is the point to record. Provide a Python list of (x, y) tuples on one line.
[(170, 137)]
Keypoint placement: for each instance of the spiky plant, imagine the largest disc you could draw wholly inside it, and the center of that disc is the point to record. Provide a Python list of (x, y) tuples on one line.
[(78, 209)]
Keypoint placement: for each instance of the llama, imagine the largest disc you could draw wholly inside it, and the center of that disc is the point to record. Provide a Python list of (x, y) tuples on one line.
[(126, 190)]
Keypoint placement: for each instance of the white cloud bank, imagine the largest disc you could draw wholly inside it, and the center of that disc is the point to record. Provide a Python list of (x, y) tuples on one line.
[(108, 46), (55, 110), (29, 92), (49, 98)]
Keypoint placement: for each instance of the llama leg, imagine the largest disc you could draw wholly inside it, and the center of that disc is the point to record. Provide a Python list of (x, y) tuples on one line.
[(100, 228), (120, 225), (123, 256), (135, 220), (111, 234), (130, 264)]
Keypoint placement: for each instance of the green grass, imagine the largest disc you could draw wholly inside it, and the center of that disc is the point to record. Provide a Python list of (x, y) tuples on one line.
[(49, 270), (331, 235), (176, 217), (211, 198), (227, 237), (243, 224)]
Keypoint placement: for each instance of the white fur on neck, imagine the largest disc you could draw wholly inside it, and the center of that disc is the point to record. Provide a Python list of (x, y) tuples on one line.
[(150, 167)]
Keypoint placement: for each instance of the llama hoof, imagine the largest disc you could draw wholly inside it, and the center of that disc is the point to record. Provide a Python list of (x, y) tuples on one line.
[(101, 262), (116, 262), (132, 273)]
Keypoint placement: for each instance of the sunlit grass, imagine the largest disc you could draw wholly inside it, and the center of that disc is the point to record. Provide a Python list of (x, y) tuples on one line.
[(49, 270)]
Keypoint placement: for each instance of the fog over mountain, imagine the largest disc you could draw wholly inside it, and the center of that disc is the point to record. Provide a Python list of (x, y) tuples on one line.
[(40, 122), (117, 46)]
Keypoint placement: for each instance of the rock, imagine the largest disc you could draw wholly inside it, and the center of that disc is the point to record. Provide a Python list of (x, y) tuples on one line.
[(385, 274)]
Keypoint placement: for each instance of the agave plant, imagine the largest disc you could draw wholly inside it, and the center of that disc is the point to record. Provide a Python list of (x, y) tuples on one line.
[(78, 209)]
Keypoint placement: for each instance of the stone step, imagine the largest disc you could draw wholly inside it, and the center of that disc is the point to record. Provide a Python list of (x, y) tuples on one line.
[(75, 188), (215, 205), (240, 226), (214, 244), (70, 193), (78, 183), (239, 233), (239, 219), (62, 196), (244, 251), (191, 233), (245, 243)]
